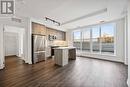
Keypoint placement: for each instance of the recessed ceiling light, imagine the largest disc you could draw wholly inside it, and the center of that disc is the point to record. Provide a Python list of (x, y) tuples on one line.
[(101, 21)]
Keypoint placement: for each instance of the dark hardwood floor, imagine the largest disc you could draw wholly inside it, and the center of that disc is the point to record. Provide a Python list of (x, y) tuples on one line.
[(83, 72)]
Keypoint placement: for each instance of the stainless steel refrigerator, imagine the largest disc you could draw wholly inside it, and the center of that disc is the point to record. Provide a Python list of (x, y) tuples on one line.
[(38, 48)]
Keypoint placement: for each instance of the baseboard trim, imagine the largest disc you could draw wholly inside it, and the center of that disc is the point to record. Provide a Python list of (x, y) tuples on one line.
[(11, 56), (28, 62), (2, 67), (126, 63), (128, 83), (100, 58)]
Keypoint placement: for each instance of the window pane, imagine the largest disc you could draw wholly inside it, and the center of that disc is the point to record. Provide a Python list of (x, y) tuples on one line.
[(107, 38), (96, 39), (86, 40), (77, 39)]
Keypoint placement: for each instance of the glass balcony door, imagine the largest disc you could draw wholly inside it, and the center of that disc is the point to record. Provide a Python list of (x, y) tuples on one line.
[(86, 40), (95, 39), (107, 38), (77, 40)]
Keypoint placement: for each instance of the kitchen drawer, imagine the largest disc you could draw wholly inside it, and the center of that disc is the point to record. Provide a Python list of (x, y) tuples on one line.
[(39, 57)]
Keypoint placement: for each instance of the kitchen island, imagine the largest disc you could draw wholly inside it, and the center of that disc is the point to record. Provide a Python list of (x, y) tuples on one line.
[(63, 54)]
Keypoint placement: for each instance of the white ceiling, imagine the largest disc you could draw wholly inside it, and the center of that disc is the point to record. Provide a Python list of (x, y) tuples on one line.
[(66, 10)]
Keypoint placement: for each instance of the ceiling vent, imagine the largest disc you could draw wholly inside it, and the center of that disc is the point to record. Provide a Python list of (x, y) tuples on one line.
[(16, 20), (21, 1)]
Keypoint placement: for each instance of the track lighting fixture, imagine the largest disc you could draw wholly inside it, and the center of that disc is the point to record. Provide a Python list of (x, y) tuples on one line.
[(53, 21)]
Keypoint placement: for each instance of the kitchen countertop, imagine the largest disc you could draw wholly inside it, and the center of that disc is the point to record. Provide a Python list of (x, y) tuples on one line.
[(63, 54), (65, 48), (57, 46)]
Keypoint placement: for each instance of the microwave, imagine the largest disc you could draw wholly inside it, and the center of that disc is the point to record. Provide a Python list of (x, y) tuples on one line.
[(52, 37)]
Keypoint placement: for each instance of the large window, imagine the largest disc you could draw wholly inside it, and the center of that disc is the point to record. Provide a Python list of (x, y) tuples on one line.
[(96, 39)]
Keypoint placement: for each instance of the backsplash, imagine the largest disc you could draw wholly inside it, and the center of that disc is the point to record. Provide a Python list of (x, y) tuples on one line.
[(59, 43)]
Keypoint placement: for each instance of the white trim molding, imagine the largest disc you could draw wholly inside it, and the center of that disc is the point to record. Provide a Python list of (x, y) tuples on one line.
[(1, 48), (128, 43), (128, 83), (2, 67)]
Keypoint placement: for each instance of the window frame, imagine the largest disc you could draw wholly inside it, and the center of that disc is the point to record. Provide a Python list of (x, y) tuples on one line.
[(83, 30), (100, 42), (115, 27), (99, 52), (80, 38)]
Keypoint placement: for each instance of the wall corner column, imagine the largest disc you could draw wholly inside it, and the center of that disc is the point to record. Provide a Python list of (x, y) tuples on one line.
[(128, 81)]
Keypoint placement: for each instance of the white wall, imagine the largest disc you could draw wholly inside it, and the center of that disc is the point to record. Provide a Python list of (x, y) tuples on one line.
[(129, 43), (11, 44), (120, 40), (1, 48), (69, 37), (120, 56)]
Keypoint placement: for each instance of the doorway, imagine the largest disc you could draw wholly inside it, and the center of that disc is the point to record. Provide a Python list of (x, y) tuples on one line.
[(13, 45)]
